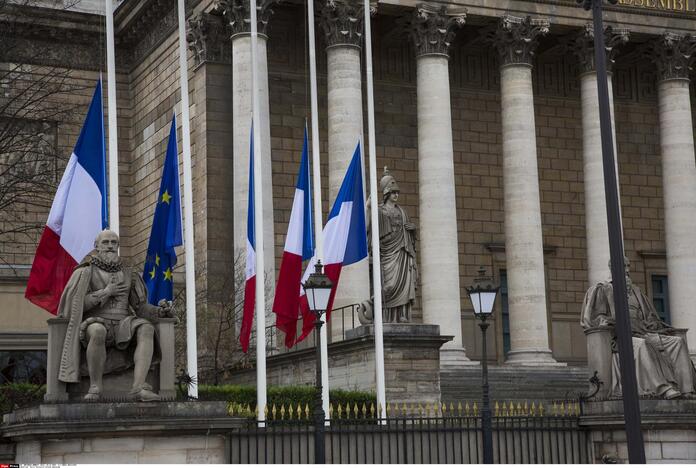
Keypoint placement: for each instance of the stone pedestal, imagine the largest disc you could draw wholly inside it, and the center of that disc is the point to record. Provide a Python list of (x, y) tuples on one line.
[(411, 363), (158, 432), (669, 430)]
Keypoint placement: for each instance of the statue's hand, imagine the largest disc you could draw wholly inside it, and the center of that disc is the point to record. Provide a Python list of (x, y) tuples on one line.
[(410, 226), (115, 288), (166, 308)]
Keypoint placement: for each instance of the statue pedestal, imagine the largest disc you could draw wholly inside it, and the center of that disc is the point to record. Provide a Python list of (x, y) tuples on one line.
[(669, 430), (157, 432)]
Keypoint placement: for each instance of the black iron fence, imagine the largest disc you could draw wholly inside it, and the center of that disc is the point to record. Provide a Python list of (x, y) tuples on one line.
[(410, 440)]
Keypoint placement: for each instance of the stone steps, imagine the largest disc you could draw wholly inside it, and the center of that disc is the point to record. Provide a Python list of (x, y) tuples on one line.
[(514, 383)]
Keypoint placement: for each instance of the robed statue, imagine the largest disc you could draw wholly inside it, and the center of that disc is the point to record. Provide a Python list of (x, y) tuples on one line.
[(663, 366), (110, 323), (397, 248)]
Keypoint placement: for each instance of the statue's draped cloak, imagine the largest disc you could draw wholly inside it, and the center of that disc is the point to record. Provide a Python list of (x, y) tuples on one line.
[(398, 257), (72, 304)]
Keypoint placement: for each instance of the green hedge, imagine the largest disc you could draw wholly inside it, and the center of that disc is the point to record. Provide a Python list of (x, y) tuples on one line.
[(17, 395), (302, 395)]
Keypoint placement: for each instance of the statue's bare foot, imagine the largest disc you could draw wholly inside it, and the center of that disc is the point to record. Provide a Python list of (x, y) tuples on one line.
[(144, 394), (93, 394), (671, 394)]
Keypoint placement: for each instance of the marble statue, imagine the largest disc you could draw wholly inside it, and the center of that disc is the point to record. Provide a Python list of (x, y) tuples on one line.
[(663, 366), (397, 245), (110, 327)]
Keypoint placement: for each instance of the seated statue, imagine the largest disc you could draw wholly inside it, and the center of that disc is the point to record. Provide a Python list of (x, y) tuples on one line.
[(110, 322), (663, 366)]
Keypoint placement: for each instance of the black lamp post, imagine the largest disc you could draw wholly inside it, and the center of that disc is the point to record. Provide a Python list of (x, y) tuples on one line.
[(482, 296), (631, 404), (318, 289)]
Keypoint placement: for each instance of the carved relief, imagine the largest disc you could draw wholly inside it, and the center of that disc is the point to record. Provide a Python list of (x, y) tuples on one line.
[(209, 39), (516, 39), (582, 45), (238, 15), (673, 54), (432, 29), (342, 21)]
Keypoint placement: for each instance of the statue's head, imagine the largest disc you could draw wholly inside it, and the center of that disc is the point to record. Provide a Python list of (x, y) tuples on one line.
[(106, 245), (389, 187), (627, 271)]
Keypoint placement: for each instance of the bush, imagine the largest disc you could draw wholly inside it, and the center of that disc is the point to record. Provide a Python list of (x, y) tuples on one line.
[(17, 395)]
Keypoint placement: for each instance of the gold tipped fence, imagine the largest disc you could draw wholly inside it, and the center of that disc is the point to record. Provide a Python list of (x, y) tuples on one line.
[(499, 409)]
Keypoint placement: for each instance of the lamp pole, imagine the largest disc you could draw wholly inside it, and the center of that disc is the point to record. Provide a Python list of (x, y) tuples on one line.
[(629, 386), (319, 416), (486, 424)]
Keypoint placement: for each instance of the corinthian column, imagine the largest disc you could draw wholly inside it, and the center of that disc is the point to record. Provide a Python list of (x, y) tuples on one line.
[(595, 204), (672, 55), (237, 15), (516, 40), (342, 22), (432, 30)]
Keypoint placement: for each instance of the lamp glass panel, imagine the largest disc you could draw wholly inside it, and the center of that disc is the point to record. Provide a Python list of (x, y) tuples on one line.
[(322, 298), (487, 301), (476, 301), (311, 298)]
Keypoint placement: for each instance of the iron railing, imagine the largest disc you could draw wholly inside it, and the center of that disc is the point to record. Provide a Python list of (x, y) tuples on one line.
[(410, 440)]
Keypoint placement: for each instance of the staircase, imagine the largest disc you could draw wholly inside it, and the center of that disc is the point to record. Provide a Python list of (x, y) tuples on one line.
[(514, 383)]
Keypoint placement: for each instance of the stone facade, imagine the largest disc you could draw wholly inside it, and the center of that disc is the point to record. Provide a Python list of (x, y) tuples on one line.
[(148, 93)]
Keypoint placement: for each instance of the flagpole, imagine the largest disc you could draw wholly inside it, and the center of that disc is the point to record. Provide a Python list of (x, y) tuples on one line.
[(113, 130), (374, 221), (258, 226), (318, 219), (191, 341)]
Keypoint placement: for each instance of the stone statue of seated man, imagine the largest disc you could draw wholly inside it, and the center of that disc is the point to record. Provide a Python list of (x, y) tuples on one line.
[(110, 322), (663, 366)]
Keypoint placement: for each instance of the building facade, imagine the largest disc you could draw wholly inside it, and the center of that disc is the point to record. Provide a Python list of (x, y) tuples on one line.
[(486, 114)]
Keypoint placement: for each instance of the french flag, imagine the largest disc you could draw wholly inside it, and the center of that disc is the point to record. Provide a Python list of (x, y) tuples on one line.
[(77, 215), (345, 238), (250, 270), (299, 246)]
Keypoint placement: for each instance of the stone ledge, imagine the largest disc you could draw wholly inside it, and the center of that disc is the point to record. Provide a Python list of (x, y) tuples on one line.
[(663, 413), (396, 330)]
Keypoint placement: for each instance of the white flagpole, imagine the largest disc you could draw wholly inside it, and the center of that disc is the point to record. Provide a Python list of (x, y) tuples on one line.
[(318, 218), (113, 130), (258, 227), (374, 221), (191, 341)]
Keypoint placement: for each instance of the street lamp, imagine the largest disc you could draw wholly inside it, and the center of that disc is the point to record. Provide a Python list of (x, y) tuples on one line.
[(482, 296), (318, 290)]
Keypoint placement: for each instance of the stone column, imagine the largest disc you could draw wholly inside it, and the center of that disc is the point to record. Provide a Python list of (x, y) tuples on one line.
[(595, 204), (673, 54), (432, 29), (342, 23), (516, 40), (236, 13)]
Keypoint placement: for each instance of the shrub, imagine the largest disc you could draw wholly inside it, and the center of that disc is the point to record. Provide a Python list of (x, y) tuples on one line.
[(17, 395)]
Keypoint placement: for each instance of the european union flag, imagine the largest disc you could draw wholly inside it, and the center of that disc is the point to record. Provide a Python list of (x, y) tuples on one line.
[(166, 228)]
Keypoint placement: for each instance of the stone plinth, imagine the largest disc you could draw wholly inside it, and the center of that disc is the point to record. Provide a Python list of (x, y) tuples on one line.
[(411, 363), (669, 430), (160, 432)]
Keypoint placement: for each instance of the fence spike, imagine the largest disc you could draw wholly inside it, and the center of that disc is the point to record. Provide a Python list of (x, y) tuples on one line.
[(554, 409), (511, 405), (299, 411), (533, 409), (563, 409), (428, 409), (306, 411), (466, 409), (389, 410), (420, 409), (444, 408), (256, 411), (291, 411), (265, 412), (519, 409), (475, 409), (331, 410), (355, 410), (230, 408), (404, 409), (248, 409), (364, 410), (526, 408), (340, 410), (274, 411), (372, 410), (282, 411), (496, 409), (541, 409), (451, 409)]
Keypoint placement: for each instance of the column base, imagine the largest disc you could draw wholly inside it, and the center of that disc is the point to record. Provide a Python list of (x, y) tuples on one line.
[(454, 358), (532, 357)]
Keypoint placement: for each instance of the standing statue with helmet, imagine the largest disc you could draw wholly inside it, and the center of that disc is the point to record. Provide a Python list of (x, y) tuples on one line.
[(397, 244)]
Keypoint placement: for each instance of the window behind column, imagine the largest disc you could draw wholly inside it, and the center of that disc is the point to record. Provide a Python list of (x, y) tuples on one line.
[(660, 297)]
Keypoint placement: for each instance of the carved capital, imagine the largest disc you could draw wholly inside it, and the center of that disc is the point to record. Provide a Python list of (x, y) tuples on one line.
[(516, 39), (582, 45), (342, 21), (209, 39), (238, 15), (432, 29), (673, 54)]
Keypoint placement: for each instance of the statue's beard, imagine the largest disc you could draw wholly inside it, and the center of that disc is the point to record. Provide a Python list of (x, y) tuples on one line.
[(109, 258)]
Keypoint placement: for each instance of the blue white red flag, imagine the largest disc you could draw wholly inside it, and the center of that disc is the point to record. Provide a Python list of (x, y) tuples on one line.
[(78, 213), (299, 246), (345, 237), (250, 270)]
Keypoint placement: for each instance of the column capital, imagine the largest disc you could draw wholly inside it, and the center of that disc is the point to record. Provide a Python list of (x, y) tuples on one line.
[(209, 39), (673, 54), (342, 21), (516, 38), (238, 15), (582, 45), (432, 28)]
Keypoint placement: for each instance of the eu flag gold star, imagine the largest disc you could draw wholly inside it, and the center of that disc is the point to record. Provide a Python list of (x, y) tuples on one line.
[(152, 273), (157, 259), (166, 197), (168, 274)]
